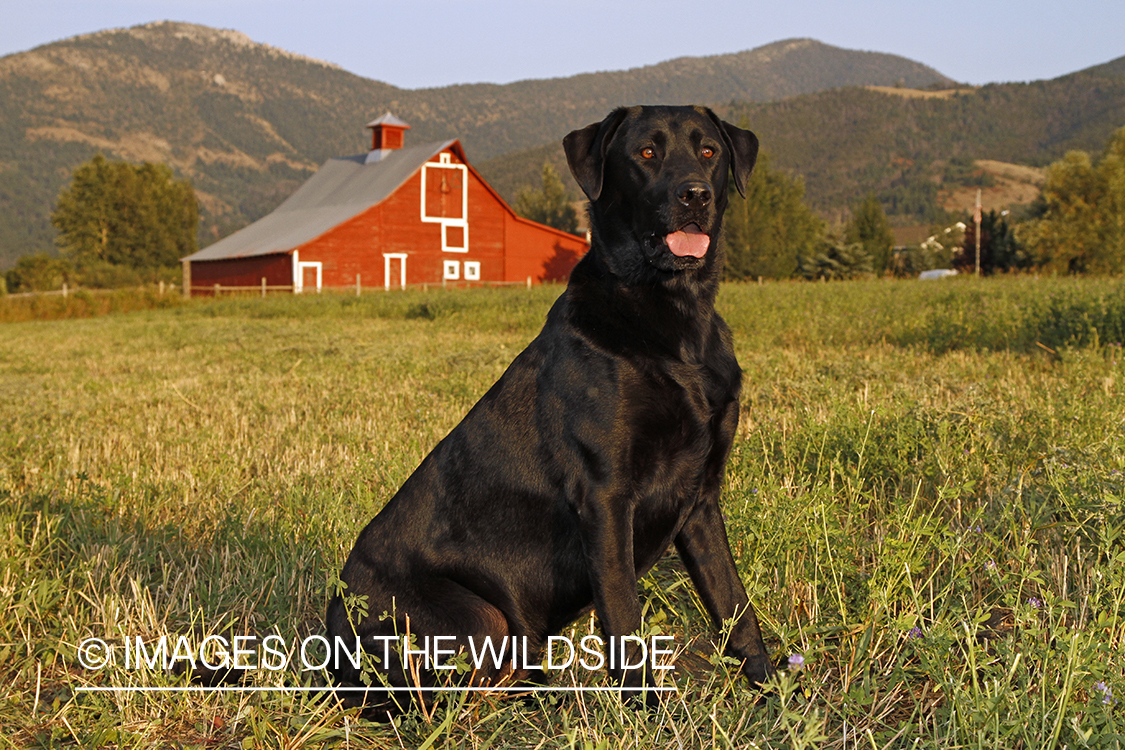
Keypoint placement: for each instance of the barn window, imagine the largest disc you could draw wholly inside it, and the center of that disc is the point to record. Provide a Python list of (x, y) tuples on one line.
[(454, 239), (452, 270), (472, 270)]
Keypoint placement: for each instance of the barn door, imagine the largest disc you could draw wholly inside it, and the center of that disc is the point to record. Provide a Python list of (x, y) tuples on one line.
[(445, 201), (308, 275), (393, 262)]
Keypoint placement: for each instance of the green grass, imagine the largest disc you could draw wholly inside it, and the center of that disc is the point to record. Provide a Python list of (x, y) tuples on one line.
[(925, 501), (85, 303)]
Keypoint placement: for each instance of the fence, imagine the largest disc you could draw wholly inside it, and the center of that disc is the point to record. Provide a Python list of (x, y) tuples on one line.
[(263, 289), (67, 290), (358, 288)]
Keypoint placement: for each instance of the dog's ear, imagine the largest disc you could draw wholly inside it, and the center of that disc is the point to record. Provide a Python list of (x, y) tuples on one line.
[(743, 146), (586, 149)]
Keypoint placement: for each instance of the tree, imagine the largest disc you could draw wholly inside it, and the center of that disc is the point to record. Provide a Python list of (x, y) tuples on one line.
[(837, 261), (999, 248), (765, 233), (118, 214), (869, 228), (550, 205), (1079, 224), (37, 272)]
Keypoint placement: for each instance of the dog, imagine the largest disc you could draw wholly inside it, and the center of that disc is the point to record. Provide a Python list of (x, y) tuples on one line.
[(602, 444)]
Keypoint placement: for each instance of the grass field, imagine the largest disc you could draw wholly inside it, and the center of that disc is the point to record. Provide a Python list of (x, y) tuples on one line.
[(925, 503)]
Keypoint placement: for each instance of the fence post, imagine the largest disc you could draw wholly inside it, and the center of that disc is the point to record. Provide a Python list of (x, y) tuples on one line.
[(64, 290), (263, 287), (216, 290), (186, 281), (529, 282), (357, 285), (162, 287)]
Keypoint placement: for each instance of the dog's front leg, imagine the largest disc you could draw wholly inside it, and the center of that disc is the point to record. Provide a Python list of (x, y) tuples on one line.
[(703, 546), (607, 541)]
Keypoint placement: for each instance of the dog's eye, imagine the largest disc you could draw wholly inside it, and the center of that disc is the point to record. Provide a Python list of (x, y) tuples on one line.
[(648, 153), (707, 152)]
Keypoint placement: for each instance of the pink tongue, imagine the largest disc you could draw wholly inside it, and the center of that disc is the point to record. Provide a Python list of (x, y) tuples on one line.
[(689, 241)]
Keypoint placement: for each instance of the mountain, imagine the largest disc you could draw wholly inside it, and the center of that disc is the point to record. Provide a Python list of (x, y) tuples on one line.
[(909, 146), (248, 122), (848, 142)]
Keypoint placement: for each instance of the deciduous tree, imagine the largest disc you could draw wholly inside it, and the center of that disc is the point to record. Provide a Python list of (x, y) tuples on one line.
[(119, 214), (550, 204), (1080, 213), (765, 233), (869, 228)]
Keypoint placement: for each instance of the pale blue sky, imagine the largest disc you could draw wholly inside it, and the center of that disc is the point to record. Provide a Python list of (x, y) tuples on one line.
[(419, 43)]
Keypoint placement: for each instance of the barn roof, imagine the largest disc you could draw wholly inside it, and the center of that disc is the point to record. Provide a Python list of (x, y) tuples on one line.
[(339, 190), (388, 119)]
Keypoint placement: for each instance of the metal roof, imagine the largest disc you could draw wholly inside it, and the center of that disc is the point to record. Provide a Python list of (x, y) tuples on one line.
[(339, 190), (388, 119)]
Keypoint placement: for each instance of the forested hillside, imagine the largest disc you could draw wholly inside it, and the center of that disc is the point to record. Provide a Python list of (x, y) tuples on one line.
[(248, 122), (847, 142)]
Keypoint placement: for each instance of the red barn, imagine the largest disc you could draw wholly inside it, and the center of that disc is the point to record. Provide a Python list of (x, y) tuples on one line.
[(393, 217)]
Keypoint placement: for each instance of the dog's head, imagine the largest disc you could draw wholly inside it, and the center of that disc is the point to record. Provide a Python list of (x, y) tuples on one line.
[(657, 180)]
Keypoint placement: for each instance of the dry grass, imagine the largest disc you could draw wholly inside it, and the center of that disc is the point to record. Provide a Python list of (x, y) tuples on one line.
[(921, 93), (204, 470), (1013, 184)]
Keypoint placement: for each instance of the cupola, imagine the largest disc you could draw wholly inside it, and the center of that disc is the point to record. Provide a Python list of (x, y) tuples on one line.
[(386, 136)]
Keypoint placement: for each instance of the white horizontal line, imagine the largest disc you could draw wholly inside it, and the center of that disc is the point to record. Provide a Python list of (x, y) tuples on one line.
[(235, 689)]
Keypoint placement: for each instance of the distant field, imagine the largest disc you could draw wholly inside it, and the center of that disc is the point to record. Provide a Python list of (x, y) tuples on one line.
[(921, 93), (925, 502), (1014, 184)]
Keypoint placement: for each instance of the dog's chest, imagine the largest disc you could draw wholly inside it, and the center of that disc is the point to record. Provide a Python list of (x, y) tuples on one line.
[(671, 412)]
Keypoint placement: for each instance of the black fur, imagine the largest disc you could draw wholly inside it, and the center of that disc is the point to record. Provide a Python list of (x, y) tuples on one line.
[(603, 443)]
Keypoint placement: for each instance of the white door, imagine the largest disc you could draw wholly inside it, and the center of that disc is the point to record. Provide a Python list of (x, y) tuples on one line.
[(390, 261), (308, 275)]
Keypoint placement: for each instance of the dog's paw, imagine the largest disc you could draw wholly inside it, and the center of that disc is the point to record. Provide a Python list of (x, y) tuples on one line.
[(638, 687), (758, 669)]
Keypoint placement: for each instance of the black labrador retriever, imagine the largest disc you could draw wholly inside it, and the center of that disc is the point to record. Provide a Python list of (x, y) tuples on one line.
[(605, 441)]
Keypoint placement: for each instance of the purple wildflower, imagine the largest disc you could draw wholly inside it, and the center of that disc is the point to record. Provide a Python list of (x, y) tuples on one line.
[(1107, 694), (915, 632), (1035, 602), (990, 566), (796, 661)]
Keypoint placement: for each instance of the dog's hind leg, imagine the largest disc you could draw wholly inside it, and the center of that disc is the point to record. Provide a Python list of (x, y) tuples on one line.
[(421, 643)]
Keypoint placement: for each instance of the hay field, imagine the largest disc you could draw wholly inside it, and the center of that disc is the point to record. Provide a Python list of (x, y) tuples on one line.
[(925, 503)]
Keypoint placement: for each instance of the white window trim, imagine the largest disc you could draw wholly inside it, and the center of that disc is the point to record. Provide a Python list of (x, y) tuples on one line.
[(472, 270)]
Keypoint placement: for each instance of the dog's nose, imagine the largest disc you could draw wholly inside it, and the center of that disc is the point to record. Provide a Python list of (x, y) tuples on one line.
[(694, 194)]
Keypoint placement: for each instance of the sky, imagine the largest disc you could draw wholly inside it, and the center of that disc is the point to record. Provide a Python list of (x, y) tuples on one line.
[(423, 43)]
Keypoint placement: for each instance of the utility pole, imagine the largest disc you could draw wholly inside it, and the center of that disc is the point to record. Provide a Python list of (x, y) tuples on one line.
[(976, 218)]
